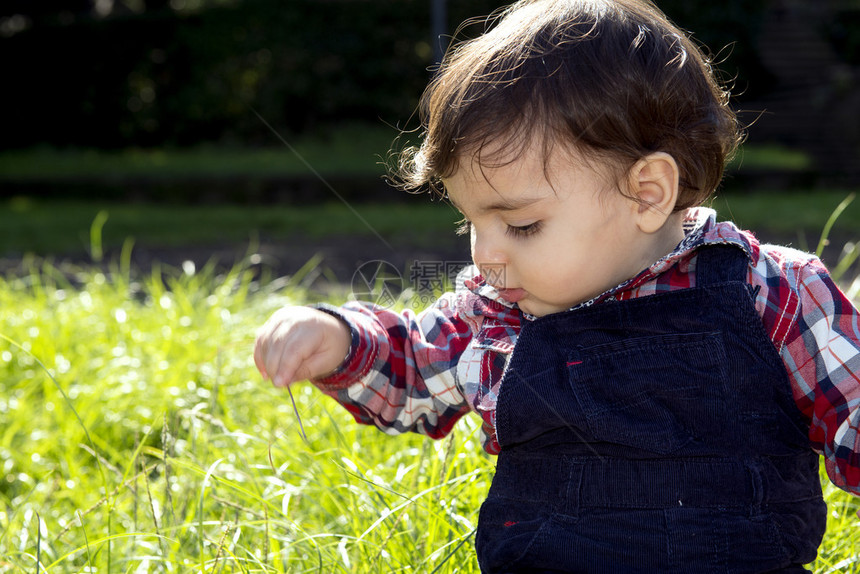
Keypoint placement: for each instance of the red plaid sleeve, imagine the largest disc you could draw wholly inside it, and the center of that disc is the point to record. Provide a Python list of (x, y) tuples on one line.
[(400, 374), (817, 330)]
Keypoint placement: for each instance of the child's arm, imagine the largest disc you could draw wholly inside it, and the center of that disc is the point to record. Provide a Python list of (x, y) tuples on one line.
[(400, 372), (823, 356)]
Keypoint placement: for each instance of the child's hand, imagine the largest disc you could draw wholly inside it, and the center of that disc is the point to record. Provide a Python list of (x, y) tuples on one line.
[(299, 343)]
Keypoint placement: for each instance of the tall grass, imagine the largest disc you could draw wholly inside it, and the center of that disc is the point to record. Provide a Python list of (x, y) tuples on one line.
[(136, 436)]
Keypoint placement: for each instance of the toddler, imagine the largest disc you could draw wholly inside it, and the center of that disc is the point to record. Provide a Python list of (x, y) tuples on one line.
[(657, 386)]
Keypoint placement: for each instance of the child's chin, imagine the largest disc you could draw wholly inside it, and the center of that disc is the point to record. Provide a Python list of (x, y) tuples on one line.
[(535, 310)]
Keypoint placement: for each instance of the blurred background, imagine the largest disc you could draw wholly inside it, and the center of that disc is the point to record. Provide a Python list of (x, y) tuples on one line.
[(198, 127)]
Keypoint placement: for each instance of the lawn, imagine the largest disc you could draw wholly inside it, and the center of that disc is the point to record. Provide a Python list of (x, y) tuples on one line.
[(347, 149), (137, 437), (354, 149), (63, 227)]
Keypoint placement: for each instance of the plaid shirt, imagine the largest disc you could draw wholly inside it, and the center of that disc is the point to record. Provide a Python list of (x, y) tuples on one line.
[(421, 373)]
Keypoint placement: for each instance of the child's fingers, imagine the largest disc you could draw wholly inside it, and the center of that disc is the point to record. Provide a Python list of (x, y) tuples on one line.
[(297, 344), (286, 361), (258, 358), (298, 362), (276, 342), (285, 372), (273, 358)]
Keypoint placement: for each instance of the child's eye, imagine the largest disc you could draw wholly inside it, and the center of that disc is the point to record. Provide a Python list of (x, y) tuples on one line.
[(524, 231), (464, 227)]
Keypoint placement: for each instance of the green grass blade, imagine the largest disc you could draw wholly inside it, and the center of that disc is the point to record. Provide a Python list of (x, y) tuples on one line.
[(96, 245), (828, 226), (66, 399)]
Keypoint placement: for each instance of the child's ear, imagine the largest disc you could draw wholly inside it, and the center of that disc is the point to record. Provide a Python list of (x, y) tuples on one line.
[(653, 180)]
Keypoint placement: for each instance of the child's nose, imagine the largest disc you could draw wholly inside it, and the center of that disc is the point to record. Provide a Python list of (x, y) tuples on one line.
[(486, 252)]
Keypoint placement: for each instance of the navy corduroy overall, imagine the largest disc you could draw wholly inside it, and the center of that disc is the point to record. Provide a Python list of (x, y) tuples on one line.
[(656, 434)]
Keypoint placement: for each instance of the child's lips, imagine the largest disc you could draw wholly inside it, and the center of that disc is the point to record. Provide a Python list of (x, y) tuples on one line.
[(512, 295)]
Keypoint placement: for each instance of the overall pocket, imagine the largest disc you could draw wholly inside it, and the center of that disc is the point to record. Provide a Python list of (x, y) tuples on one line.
[(507, 531), (656, 393)]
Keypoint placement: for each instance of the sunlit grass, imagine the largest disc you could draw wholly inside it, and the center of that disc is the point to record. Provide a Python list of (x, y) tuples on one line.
[(840, 552), (136, 436)]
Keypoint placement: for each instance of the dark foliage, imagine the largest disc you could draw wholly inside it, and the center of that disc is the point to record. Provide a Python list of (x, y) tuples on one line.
[(176, 77)]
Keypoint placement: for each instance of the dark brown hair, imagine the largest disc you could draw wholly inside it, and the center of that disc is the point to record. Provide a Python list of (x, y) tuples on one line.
[(615, 79)]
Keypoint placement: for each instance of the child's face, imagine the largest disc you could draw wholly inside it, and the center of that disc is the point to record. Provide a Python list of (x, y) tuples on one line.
[(549, 244)]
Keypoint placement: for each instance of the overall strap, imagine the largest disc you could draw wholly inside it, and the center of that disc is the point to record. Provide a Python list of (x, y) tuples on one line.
[(721, 263)]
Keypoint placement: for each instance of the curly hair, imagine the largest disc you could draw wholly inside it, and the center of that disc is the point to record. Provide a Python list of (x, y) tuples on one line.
[(614, 79)]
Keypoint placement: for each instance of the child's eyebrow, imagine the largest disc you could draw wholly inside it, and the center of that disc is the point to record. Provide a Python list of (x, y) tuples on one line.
[(509, 204), (503, 204)]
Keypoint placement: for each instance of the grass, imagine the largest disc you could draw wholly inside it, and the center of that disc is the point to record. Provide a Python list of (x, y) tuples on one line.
[(351, 149), (45, 227), (346, 149), (770, 157), (136, 436), (63, 227), (788, 212)]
